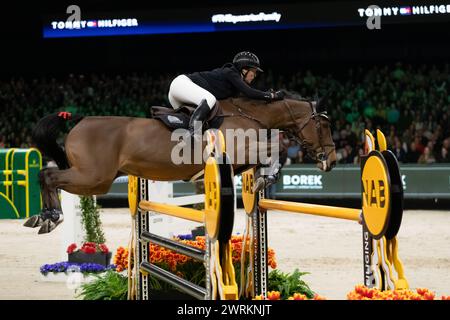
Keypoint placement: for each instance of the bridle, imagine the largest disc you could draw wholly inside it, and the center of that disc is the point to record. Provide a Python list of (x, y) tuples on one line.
[(318, 154)]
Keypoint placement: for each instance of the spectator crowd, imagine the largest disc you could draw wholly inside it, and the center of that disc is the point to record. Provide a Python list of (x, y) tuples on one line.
[(409, 103)]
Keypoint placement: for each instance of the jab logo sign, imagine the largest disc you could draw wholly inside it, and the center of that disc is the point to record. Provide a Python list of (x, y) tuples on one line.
[(374, 193)]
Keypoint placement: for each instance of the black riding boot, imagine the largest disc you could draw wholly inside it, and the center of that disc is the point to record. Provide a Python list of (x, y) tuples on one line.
[(200, 114)]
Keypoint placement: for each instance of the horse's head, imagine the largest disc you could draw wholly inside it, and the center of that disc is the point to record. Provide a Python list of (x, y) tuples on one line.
[(311, 127)]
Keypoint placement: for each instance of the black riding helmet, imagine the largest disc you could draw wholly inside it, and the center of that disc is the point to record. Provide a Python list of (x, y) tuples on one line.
[(246, 59)]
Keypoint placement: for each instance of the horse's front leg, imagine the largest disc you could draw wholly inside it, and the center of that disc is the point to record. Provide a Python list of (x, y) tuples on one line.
[(269, 173)]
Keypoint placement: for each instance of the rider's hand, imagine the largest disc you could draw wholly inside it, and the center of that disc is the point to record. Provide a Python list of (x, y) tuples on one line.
[(278, 95)]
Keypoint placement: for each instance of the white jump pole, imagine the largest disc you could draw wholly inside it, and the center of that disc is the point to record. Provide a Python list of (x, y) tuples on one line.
[(72, 229), (162, 192)]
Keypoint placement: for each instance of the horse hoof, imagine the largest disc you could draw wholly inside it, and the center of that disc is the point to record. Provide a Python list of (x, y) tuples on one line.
[(33, 222), (45, 228), (48, 226)]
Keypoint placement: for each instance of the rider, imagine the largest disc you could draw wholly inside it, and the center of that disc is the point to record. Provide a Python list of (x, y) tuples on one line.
[(206, 87)]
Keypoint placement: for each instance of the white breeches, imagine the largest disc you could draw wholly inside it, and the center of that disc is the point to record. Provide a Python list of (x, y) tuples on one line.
[(182, 90)]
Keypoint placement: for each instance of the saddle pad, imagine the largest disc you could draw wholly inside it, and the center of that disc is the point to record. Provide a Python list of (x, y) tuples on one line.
[(179, 119), (174, 121)]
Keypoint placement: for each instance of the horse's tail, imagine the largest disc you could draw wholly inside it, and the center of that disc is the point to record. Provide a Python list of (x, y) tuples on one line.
[(46, 133)]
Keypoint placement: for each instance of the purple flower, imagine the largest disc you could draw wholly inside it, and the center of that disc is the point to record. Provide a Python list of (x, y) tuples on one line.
[(80, 267), (185, 236)]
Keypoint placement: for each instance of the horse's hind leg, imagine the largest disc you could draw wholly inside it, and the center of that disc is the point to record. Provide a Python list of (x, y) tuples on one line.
[(73, 180), (52, 208)]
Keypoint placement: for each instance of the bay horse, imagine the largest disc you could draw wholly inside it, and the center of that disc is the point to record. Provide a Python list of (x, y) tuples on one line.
[(99, 149)]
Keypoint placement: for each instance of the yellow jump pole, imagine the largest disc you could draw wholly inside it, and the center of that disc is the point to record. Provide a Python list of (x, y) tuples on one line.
[(174, 211), (314, 209)]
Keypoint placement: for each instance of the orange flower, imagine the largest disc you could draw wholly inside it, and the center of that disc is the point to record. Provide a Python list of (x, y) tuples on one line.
[(363, 293), (299, 296), (173, 265), (422, 291), (172, 259), (273, 295), (121, 259), (429, 296)]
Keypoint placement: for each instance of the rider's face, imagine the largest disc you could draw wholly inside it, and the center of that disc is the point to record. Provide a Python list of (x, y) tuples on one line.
[(249, 75)]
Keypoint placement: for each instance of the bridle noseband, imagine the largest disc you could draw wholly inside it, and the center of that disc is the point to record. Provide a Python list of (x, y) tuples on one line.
[(320, 153)]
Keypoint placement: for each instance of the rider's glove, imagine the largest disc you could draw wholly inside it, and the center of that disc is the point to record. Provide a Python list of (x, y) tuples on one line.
[(278, 95)]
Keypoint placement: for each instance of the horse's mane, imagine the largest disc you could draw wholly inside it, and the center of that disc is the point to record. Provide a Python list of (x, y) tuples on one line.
[(294, 95), (320, 102), (289, 94)]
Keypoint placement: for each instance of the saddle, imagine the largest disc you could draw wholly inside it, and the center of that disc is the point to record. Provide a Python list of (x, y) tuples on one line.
[(179, 118)]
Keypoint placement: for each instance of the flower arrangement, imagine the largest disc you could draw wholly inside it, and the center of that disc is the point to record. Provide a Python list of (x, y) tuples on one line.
[(281, 286), (362, 292), (94, 249), (89, 248), (276, 295), (175, 261), (68, 266), (289, 286), (90, 252)]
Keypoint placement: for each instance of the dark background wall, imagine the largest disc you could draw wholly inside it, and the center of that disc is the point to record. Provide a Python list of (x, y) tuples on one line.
[(24, 51)]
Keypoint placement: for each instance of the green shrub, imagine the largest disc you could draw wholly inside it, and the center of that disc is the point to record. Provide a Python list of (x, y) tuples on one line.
[(288, 284), (109, 286), (90, 218), (114, 286)]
